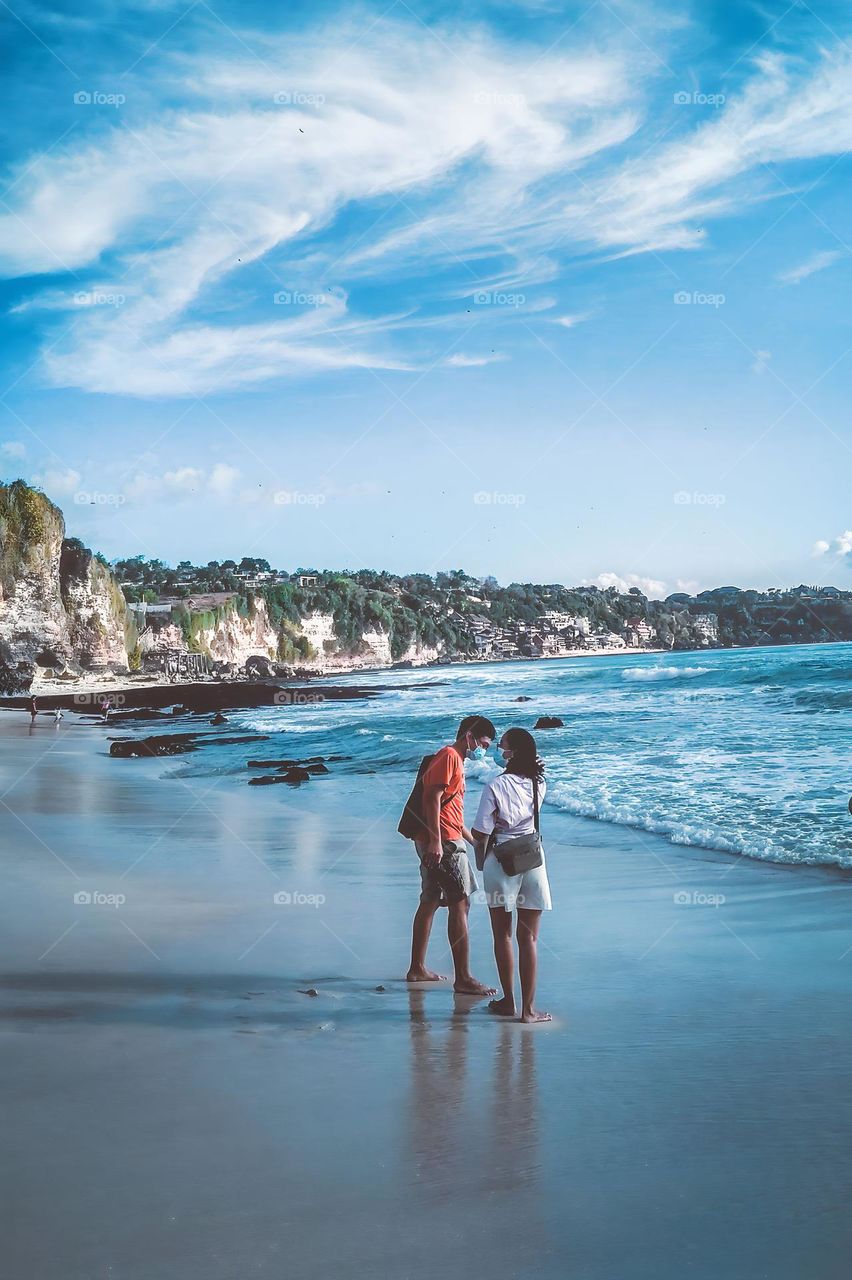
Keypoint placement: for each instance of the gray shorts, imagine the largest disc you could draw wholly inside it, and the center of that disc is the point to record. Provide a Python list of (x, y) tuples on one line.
[(452, 880)]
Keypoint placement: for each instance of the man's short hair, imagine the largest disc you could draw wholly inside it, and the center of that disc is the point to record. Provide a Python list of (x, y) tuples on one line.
[(478, 726)]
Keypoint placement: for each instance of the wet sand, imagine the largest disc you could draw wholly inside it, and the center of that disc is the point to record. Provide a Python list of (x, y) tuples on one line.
[(177, 1108)]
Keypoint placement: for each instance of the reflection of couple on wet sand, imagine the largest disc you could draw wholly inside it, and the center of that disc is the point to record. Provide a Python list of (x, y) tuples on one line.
[(505, 837)]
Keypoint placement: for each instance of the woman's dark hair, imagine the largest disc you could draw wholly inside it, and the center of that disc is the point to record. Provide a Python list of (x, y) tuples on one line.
[(525, 759)]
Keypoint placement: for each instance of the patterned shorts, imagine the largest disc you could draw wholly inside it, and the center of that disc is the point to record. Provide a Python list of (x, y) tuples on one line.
[(453, 878)]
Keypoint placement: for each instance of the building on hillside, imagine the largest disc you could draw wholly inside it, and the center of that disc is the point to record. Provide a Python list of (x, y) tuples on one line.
[(307, 580), (639, 633)]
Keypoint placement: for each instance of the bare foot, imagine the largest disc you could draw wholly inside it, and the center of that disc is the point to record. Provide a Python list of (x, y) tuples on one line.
[(533, 1015), (504, 1008), (424, 975), (470, 987)]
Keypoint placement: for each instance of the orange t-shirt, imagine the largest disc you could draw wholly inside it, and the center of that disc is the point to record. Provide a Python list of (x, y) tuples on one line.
[(447, 771)]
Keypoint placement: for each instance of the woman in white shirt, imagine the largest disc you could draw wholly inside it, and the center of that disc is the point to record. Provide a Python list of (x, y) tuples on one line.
[(507, 809)]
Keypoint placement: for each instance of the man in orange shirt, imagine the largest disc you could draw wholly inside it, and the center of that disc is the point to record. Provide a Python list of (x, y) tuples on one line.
[(446, 876)]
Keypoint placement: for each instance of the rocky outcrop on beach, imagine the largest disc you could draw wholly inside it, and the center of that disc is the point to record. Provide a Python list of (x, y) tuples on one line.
[(59, 605)]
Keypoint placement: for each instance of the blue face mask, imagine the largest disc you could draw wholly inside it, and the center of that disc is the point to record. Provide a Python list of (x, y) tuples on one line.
[(478, 753)]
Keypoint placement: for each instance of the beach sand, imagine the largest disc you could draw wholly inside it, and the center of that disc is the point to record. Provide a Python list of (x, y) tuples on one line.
[(177, 1108)]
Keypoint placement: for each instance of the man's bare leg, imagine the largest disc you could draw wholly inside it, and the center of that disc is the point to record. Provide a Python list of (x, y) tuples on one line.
[(528, 922), (457, 932), (501, 927), (422, 928)]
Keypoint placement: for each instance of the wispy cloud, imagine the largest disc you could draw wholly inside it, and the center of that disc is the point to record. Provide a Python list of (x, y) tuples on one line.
[(194, 218), (818, 262)]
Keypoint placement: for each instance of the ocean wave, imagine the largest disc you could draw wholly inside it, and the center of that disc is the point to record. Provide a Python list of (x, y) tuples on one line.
[(603, 808), (662, 673)]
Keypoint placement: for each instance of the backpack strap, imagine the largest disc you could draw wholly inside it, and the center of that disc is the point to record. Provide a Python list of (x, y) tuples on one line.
[(535, 802)]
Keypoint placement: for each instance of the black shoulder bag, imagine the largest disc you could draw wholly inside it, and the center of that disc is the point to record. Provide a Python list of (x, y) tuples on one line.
[(521, 853)]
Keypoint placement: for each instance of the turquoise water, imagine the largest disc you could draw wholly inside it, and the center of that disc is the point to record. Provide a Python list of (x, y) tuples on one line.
[(744, 751)]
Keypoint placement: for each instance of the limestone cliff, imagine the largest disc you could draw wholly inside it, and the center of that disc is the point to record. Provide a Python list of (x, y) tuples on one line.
[(59, 605)]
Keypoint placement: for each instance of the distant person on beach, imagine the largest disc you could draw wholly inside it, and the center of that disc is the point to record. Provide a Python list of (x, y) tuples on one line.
[(434, 819), (510, 856), (57, 715), (33, 710)]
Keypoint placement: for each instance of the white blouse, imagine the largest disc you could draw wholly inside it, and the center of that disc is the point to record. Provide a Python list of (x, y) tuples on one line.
[(506, 806)]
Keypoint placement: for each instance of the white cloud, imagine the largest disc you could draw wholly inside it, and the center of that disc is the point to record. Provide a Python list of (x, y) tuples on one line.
[(222, 479), (13, 449), (761, 363), (843, 543), (477, 157), (54, 481), (820, 547), (570, 322), (650, 587), (689, 585), (810, 267)]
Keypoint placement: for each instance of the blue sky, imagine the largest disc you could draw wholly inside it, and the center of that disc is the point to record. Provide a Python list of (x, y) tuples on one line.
[(556, 292)]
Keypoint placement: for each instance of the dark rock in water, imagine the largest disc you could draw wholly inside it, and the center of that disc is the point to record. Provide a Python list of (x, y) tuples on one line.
[(310, 991), (337, 759), (219, 718), (166, 744), (317, 768), (266, 780), (524, 697), (175, 744), (549, 722), (272, 764), (295, 775), (380, 988)]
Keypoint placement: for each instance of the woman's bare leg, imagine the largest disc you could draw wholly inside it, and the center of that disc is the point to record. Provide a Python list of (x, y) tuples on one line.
[(528, 923), (501, 927)]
